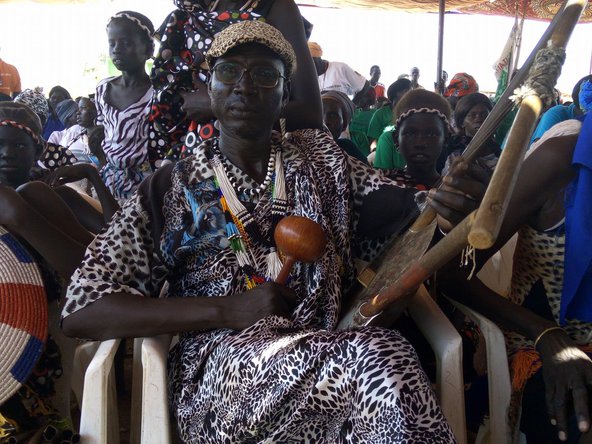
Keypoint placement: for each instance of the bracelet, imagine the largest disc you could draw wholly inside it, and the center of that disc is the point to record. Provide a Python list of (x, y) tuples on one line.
[(543, 333)]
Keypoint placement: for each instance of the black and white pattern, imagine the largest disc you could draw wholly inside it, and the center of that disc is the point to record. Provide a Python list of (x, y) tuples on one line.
[(126, 141), (279, 380)]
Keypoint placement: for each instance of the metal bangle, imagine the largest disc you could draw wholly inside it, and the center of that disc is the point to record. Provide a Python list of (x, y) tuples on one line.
[(543, 333)]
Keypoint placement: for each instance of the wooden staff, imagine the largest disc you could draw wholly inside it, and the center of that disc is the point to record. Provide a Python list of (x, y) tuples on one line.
[(497, 197), (456, 240), (475, 147)]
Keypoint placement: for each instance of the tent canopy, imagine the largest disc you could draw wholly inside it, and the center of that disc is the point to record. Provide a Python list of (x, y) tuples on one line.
[(532, 9)]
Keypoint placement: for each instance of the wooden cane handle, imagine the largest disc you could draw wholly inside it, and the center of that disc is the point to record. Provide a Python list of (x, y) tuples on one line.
[(495, 202), (497, 197)]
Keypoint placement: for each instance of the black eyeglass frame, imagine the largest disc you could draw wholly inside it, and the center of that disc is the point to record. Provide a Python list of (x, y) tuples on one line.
[(214, 71)]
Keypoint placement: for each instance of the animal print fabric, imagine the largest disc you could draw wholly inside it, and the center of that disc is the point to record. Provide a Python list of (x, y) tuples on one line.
[(539, 260), (126, 141), (280, 380)]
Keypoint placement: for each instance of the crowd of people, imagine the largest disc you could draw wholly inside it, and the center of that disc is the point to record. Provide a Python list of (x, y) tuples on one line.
[(180, 176)]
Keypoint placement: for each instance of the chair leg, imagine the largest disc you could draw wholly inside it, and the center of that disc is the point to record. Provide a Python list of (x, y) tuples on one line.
[(447, 346)]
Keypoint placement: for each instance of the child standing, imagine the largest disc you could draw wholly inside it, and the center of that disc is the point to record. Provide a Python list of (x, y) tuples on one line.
[(123, 103)]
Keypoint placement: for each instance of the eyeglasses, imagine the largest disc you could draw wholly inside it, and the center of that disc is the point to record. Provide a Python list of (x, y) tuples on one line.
[(230, 73)]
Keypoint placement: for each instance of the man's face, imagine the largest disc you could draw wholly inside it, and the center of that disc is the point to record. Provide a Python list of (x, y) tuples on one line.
[(333, 117), (375, 74), (245, 108), (414, 75), (18, 153)]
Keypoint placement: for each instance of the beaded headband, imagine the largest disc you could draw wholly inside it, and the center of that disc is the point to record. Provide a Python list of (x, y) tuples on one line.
[(412, 111), (22, 127), (131, 18)]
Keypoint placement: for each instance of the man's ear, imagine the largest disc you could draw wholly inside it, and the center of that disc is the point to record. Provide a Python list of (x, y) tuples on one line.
[(286, 93)]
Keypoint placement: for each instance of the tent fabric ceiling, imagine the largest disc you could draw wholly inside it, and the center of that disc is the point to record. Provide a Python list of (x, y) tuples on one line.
[(533, 9)]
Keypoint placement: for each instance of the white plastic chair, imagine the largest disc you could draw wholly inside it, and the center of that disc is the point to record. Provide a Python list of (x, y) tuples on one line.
[(434, 325), (155, 422), (447, 346), (99, 422), (499, 386)]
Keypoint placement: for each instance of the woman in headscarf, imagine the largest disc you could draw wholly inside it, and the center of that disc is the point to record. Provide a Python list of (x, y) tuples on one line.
[(338, 110), (53, 123)]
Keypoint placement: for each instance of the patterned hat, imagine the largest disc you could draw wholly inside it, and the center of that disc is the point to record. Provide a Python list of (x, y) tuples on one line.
[(253, 31), (35, 100), (23, 315)]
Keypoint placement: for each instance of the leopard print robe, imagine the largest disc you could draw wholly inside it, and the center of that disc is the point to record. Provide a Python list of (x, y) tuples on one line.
[(280, 380)]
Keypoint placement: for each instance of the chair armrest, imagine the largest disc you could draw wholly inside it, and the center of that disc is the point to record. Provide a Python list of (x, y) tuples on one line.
[(99, 416), (499, 387), (447, 346), (155, 425)]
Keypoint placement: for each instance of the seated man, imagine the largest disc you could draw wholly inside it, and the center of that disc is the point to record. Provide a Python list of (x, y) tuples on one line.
[(257, 361)]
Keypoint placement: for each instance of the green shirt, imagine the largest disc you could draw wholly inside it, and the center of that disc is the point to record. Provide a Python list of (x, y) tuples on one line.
[(387, 154), (382, 118), (358, 128)]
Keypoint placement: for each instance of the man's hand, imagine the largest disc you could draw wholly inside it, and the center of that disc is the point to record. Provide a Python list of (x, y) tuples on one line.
[(461, 192), (567, 372), (196, 103), (269, 298)]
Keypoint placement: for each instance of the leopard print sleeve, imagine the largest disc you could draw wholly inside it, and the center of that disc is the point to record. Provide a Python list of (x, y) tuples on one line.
[(121, 259)]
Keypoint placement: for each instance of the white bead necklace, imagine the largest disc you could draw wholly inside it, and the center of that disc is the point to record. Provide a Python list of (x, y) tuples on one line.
[(241, 189)]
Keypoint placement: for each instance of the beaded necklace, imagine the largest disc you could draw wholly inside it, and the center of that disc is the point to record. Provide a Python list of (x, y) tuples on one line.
[(241, 229)]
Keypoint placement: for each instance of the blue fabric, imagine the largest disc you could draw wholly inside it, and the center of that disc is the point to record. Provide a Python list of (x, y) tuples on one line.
[(552, 117), (585, 96), (576, 300), (52, 125)]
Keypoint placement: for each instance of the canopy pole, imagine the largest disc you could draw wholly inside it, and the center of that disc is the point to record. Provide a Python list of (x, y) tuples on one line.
[(441, 11)]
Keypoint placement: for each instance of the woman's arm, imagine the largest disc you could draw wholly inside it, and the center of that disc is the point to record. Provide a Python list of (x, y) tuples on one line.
[(304, 109), (567, 371), (52, 230)]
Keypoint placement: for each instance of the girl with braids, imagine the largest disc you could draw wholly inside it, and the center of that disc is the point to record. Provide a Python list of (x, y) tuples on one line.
[(123, 103)]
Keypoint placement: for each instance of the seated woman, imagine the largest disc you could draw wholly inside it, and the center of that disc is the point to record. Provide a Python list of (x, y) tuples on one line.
[(76, 137), (35, 212), (53, 123), (469, 114), (43, 222), (549, 313), (337, 113), (257, 360)]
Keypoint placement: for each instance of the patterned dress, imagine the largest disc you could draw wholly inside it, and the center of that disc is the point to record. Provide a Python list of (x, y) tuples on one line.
[(537, 283), (280, 380), (185, 37), (126, 141)]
